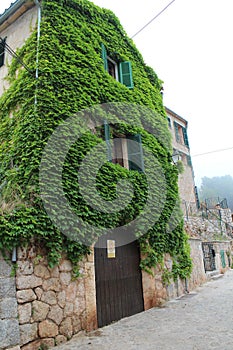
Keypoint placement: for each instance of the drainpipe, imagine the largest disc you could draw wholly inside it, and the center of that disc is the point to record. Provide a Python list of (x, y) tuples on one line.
[(38, 45), (14, 255)]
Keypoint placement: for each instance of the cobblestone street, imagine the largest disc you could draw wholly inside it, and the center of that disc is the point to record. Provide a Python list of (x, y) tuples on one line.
[(200, 320)]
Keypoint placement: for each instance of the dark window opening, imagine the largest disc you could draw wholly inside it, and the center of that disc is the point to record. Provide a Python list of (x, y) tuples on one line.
[(2, 51)]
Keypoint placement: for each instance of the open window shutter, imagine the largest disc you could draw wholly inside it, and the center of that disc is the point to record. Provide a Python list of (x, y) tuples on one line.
[(107, 140), (135, 153), (2, 51), (104, 56), (126, 76), (177, 132), (186, 142)]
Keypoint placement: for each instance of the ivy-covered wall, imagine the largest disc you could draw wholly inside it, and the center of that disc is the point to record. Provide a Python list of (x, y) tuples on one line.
[(72, 78)]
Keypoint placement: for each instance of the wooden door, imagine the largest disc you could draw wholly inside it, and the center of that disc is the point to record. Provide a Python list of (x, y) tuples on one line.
[(118, 279)]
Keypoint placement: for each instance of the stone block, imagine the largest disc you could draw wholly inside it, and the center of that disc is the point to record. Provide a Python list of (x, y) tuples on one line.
[(8, 308), (26, 295), (48, 329), (52, 284), (65, 266), (39, 292), (71, 291), (56, 314), (49, 297), (66, 327), (41, 271), (54, 272), (68, 309), (28, 282), (39, 310), (9, 333), (7, 287), (47, 343), (28, 332), (5, 268), (60, 339), (24, 268), (34, 345), (25, 312), (62, 299), (65, 278), (14, 348)]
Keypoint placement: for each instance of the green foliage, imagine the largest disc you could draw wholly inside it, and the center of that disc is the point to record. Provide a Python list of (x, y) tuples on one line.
[(71, 78)]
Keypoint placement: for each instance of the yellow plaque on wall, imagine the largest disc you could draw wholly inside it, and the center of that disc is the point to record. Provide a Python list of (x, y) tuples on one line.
[(111, 248)]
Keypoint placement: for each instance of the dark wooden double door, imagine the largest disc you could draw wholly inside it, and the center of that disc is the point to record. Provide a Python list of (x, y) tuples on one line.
[(118, 279)]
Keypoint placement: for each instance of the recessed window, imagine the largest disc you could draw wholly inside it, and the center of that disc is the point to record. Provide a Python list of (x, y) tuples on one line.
[(2, 51), (169, 122), (181, 134), (112, 68), (121, 71), (125, 150)]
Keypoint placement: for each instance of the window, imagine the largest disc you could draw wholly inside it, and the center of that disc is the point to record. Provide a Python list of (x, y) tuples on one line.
[(2, 51), (121, 71), (169, 122), (126, 150), (181, 134), (189, 161)]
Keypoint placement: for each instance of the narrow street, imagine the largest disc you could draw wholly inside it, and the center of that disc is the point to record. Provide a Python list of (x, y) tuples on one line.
[(201, 320)]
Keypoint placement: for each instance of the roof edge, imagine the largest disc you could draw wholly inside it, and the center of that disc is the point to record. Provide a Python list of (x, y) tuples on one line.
[(13, 9)]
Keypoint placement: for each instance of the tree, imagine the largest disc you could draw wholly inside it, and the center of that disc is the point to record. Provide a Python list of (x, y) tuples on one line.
[(218, 186)]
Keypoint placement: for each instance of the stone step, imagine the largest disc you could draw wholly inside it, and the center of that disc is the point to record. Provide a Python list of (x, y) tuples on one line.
[(215, 277), (210, 274)]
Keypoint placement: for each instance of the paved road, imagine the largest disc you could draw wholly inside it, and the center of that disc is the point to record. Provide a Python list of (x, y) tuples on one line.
[(201, 320)]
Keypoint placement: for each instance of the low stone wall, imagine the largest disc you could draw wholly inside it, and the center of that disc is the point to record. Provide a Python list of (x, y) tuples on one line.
[(9, 327), (156, 293), (52, 305)]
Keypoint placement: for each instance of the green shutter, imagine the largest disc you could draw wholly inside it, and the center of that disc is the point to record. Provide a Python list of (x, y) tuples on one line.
[(135, 153), (104, 56), (107, 140), (2, 51), (189, 161), (126, 76), (185, 135), (177, 132), (222, 254)]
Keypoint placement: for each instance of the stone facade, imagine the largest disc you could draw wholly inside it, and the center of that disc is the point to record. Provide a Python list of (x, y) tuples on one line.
[(52, 304), (177, 125), (47, 306), (210, 225), (9, 327)]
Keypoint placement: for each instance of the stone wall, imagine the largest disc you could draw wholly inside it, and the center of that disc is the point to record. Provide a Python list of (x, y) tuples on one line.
[(45, 306), (52, 304), (156, 293), (9, 327), (209, 228)]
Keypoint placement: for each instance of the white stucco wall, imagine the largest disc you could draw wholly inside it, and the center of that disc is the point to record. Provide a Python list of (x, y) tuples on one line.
[(16, 34)]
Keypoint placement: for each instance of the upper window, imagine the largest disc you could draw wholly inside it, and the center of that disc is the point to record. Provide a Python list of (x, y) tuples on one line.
[(181, 134), (121, 71), (126, 150), (2, 51)]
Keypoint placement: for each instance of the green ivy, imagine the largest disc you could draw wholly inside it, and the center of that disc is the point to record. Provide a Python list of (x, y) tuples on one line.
[(72, 78)]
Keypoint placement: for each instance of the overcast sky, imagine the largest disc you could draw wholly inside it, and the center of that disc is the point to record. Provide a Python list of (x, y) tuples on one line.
[(189, 47)]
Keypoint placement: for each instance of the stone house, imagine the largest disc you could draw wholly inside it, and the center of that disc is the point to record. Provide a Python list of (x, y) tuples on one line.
[(181, 150), (42, 304), (204, 223)]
